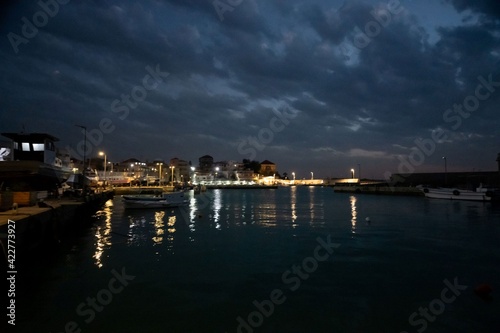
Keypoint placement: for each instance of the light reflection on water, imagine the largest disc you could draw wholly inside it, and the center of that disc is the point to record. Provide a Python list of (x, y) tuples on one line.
[(159, 224), (211, 259), (293, 205), (103, 233), (354, 213)]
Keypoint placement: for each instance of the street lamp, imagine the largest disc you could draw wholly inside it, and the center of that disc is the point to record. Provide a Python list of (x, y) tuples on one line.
[(312, 175), (101, 153), (160, 164), (293, 175), (172, 168), (352, 173), (445, 170)]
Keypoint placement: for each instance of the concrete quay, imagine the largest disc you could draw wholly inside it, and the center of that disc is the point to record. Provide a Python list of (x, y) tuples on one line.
[(49, 222)]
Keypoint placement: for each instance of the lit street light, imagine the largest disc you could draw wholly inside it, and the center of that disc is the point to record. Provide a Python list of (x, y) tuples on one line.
[(160, 164), (101, 153), (312, 175), (172, 168), (352, 173)]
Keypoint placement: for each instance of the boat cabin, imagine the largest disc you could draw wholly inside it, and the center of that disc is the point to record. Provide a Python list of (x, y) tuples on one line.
[(33, 147)]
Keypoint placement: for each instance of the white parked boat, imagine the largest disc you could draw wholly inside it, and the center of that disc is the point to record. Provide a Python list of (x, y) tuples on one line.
[(481, 194), (173, 199)]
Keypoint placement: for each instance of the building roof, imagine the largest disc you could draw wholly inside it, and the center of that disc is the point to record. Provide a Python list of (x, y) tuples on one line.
[(266, 162), (207, 156), (30, 137), (130, 160)]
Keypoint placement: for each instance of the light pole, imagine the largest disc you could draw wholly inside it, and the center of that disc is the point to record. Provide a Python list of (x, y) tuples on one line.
[(101, 153), (312, 175), (84, 145), (293, 174), (159, 164), (193, 175), (172, 168), (445, 170), (352, 173)]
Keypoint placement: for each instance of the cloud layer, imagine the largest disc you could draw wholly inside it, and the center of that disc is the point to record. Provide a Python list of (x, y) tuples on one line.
[(360, 82)]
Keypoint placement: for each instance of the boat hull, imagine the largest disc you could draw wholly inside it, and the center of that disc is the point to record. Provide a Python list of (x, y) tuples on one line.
[(166, 200), (32, 173), (456, 194)]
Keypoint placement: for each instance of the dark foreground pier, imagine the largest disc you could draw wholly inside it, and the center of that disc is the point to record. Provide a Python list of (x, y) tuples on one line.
[(50, 222)]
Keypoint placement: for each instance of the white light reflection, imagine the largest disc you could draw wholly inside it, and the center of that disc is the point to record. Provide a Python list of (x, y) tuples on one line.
[(311, 203), (102, 233), (267, 210), (159, 231), (192, 213), (171, 230), (217, 205), (354, 214), (293, 205)]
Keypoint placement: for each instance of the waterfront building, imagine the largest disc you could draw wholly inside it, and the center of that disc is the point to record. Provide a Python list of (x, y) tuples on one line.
[(267, 168), (205, 163), (179, 170)]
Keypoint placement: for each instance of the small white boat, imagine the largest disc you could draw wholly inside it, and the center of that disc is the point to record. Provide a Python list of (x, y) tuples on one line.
[(173, 199), (481, 194)]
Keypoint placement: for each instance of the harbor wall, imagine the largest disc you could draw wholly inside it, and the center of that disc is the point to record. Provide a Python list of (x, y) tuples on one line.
[(50, 223), (383, 190)]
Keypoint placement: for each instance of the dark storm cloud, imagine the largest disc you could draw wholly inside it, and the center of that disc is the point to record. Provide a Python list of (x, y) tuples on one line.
[(226, 78), (487, 7)]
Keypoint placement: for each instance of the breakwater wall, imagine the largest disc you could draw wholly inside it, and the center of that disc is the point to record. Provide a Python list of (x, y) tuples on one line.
[(382, 190)]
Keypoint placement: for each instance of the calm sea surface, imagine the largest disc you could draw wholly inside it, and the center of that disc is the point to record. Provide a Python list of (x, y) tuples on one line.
[(294, 259)]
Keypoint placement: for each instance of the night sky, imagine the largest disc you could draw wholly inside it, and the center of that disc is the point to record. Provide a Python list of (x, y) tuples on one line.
[(311, 85)]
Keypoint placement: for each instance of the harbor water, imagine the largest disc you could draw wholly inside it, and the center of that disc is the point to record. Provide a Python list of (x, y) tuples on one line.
[(292, 259)]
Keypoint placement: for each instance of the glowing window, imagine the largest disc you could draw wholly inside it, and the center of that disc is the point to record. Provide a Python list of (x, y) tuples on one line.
[(26, 146), (38, 146)]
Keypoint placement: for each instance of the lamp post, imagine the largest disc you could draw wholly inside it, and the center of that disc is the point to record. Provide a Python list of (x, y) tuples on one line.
[(293, 174), (84, 145), (352, 173), (172, 168), (193, 174), (445, 171), (101, 153), (312, 175), (159, 164)]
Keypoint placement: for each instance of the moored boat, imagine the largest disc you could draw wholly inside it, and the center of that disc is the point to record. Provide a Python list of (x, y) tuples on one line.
[(174, 199), (481, 194), (31, 160)]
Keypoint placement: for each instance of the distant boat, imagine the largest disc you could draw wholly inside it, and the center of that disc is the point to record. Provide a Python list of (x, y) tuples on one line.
[(481, 194), (174, 199)]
